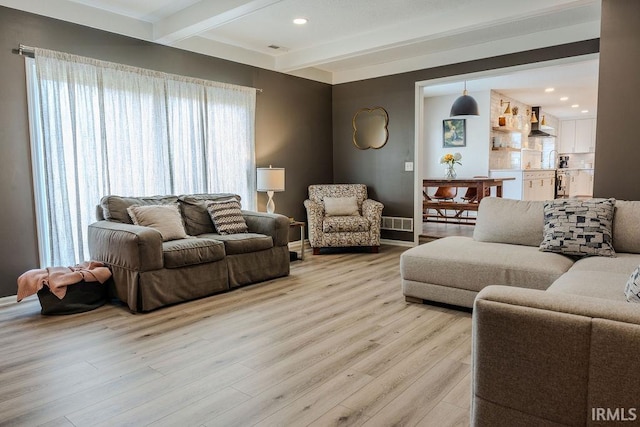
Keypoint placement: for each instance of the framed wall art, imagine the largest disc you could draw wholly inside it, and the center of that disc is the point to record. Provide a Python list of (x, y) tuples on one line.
[(454, 133)]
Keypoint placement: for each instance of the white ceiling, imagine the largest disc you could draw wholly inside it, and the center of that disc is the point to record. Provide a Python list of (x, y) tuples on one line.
[(348, 40), (344, 40), (577, 80)]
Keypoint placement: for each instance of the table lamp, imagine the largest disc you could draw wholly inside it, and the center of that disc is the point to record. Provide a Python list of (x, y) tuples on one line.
[(270, 180)]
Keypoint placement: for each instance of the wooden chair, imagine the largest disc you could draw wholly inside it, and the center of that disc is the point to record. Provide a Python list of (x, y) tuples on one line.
[(445, 193), (471, 195)]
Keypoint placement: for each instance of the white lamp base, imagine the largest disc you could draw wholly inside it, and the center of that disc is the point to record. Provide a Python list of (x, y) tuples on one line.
[(271, 206)]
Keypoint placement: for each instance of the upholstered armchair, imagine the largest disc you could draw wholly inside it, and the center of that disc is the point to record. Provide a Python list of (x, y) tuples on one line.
[(341, 215)]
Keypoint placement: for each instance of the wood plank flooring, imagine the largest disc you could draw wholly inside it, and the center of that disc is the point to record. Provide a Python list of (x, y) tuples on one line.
[(334, 343)]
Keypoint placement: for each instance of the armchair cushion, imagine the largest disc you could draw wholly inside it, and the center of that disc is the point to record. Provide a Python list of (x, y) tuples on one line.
[(338, 224), (341, 206)]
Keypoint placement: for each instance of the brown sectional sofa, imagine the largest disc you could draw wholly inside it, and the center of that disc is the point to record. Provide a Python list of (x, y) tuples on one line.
[(149, 273), (554, 339)]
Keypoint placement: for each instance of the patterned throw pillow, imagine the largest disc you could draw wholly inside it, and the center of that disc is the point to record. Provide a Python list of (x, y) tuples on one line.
[(578, 227), (227, 217), (164, 218), (632, 289)]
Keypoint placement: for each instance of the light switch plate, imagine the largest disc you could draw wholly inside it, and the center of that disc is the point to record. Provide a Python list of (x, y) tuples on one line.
[(408, 166)]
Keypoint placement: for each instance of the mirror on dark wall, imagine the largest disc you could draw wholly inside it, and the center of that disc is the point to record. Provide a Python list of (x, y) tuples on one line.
[(370, 128)]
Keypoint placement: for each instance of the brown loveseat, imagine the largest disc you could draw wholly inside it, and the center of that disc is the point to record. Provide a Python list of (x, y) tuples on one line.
[(149, 273)]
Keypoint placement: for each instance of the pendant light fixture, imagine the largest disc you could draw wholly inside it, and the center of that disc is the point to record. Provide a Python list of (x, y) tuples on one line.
[(465, 105)]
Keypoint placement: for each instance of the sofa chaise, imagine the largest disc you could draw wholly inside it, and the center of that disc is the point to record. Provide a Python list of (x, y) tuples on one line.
[(149, 273), (554, 338)]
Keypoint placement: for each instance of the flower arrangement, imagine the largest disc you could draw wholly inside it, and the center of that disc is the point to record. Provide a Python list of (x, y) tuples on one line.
[(451, 159)]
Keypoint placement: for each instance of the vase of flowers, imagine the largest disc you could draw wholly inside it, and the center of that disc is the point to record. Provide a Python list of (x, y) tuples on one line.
[(450, 160)]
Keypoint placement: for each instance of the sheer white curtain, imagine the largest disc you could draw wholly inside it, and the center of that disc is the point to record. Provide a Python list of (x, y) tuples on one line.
[(99, 128)]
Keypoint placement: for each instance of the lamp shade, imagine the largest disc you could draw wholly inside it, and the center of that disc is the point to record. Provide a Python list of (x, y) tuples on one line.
[(270, 179), (465, 106)]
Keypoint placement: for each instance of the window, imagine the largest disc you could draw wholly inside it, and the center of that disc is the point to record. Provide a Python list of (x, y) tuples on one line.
[(99, 128)]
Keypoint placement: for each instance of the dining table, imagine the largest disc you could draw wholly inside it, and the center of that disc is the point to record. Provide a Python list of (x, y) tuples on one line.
[(483, 186)]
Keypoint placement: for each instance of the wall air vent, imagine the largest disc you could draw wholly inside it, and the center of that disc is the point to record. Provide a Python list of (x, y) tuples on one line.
[(396, 223)]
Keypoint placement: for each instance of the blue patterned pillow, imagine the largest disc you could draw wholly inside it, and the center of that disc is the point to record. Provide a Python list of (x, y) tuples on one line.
[(632, 289), (227, 217), (578, 227)]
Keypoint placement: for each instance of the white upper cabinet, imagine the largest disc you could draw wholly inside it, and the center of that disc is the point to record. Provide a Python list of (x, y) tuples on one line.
[(577, 136)]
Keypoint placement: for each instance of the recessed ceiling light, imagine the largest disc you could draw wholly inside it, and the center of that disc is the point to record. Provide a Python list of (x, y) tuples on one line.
[(575, 105), (584, 111), (549, 89), (564, 98), (300, 21)]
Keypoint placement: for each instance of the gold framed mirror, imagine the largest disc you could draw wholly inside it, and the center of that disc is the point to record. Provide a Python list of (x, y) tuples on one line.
[(370, 128)]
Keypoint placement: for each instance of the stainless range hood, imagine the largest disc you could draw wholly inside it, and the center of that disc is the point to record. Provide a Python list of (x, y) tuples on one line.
[(535, 127)]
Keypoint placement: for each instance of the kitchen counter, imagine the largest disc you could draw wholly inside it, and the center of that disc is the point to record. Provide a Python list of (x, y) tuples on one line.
[(522, 170), (574, 169)]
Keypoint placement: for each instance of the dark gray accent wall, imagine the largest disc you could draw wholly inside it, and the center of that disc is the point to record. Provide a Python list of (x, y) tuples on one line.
[(616, 171), (293, 121), (383, 170)]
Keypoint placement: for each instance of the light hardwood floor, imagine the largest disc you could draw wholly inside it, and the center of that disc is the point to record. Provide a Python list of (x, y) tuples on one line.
[(334, 343)]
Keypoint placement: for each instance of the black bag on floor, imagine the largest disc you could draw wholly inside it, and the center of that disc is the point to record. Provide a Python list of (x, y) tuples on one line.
[(80, 297)]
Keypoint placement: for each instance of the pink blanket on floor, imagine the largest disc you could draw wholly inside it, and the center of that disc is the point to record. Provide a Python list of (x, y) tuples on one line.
[(58, 278)]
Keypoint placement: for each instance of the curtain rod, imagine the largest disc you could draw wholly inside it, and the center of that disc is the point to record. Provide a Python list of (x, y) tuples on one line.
[(29, 51), (25, 50)]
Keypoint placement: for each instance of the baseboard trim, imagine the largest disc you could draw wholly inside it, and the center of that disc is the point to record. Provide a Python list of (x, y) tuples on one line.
[(404, 243), (8, 300)]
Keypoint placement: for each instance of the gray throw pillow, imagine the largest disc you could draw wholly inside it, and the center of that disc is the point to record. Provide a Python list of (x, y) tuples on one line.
[(632, 289), (164, 218), (578, 227), (227, 217)]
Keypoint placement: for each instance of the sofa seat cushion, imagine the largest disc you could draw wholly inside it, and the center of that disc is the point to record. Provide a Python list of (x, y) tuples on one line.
[(622, 263), (341, 224), (179, 253), (241, 243), (596, 284), (461, 262)]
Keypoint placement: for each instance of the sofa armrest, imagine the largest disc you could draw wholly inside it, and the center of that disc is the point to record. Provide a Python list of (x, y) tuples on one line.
[(274, 225), (128, 246), (372, 210), (543, 357)]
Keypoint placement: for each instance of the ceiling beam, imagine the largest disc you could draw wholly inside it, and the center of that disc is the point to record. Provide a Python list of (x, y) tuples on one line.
[(203, 16), (446, 25)]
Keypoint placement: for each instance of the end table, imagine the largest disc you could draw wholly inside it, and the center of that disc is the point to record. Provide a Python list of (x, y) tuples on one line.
[(302, 225)]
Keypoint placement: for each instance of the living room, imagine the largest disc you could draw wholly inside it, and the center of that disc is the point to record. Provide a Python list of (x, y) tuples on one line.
[(305, 125)]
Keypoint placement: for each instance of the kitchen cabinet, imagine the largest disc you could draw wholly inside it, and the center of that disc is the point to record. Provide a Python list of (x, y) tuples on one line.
[(528, 185), (577, 136), (581, 183), (539, 185)]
